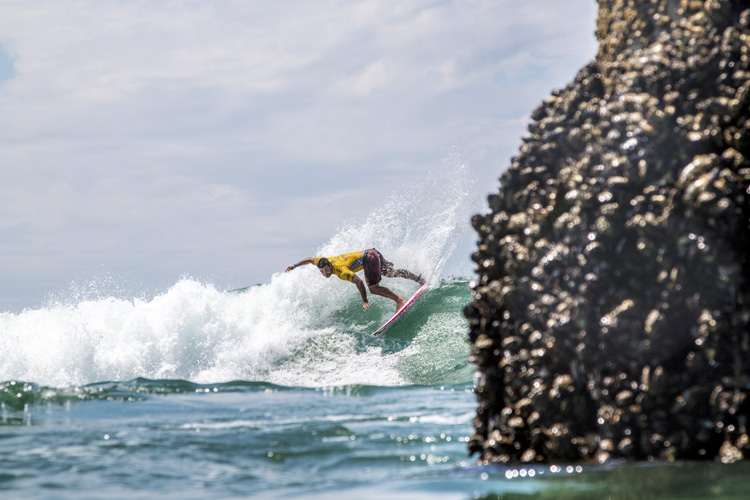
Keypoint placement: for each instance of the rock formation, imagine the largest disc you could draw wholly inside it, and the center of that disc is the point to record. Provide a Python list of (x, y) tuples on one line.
[(611, 311)]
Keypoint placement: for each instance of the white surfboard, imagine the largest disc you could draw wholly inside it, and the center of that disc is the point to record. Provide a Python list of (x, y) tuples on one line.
[(399, 312)]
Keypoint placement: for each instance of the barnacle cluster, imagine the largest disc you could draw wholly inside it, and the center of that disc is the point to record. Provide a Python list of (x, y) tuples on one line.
[(610, 316)]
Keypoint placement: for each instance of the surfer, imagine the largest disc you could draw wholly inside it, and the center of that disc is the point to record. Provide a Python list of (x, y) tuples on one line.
[(375, 266)]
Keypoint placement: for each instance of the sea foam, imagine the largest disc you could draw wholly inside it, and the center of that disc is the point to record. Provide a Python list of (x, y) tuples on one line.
[(298, 329)]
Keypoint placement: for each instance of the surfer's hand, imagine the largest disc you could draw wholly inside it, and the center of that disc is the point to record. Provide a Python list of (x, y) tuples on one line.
[(365, 305), (289, 268)]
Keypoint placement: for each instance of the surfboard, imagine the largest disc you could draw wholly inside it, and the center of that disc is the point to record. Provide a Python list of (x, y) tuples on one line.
[(399, 312)]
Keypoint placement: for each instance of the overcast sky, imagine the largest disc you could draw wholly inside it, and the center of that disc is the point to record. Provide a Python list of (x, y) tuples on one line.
[(150, 139)]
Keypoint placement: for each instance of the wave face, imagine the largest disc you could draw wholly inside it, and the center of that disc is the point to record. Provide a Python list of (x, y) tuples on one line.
[(296, 330)]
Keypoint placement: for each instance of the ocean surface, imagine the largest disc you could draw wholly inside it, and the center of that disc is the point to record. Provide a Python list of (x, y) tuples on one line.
[(279, 391), (177, 397)]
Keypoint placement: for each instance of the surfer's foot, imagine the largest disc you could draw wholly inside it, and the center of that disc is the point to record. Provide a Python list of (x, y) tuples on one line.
[(399, 304), (420, 280)]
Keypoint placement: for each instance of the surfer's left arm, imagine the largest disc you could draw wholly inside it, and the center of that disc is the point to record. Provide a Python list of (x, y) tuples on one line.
[(362, 291), (306, 260)]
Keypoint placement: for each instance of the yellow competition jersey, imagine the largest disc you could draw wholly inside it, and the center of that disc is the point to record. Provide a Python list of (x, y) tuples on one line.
[(344, 266)]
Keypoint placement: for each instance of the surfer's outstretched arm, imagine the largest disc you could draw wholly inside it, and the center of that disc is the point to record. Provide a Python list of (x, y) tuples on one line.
[(362, 291), (306, 260)]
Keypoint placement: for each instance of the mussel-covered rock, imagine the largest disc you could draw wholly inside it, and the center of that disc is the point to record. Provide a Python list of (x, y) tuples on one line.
[(611, 312)]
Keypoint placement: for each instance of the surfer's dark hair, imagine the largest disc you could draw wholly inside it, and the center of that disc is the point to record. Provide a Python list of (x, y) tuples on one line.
[(323, 262)]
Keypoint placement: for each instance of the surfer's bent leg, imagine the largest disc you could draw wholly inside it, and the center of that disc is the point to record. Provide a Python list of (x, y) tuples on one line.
[(403, 273), (389, 271), (385, 292)]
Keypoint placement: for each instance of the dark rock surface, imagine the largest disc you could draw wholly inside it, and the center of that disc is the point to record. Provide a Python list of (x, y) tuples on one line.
[(611, 311)]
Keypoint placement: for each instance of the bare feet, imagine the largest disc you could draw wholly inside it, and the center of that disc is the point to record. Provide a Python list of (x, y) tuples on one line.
[(399, 304), (420, 280)]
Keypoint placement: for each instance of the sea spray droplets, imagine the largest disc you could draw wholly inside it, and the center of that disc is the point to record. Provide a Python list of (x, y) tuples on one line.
[(420, 225)]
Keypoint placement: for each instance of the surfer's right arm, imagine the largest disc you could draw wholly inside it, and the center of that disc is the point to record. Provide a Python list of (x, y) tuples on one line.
[(306, 260)]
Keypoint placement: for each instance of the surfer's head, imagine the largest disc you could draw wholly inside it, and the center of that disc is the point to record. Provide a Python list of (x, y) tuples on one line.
[(325, 267)]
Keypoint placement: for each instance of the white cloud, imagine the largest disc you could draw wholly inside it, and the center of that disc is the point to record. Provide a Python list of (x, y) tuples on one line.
[(373, 77), (178, 136)]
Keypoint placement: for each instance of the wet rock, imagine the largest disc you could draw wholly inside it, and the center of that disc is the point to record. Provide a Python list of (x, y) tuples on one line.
[(611, 311)]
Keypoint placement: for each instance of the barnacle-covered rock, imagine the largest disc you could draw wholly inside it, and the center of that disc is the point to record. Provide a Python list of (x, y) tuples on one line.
[(611, 312)]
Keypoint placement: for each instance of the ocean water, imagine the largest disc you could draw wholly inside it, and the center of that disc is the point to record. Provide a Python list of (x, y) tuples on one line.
[(176, 398), (280, 391)]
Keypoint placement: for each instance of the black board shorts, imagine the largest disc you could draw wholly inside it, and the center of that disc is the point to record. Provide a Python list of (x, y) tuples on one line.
[(375, 266)]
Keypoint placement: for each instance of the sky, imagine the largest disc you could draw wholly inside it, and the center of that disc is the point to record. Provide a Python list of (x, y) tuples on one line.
[(142, 141)]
